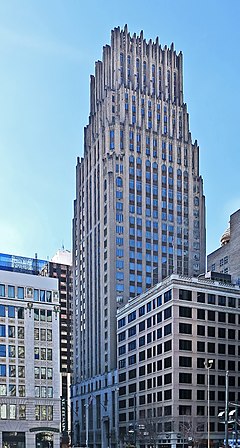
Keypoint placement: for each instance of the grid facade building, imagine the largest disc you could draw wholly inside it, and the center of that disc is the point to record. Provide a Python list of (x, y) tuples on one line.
[(60, 268), (165, 337), (139, 213), (29, 360)]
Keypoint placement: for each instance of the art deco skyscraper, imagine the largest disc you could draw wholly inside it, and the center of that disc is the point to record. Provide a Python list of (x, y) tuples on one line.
[(139, 212)]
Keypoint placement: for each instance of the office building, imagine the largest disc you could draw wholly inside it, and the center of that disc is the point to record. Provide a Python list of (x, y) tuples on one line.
[(29, 361), (139, 213), (169, 340), (60, 268), (226, 259)]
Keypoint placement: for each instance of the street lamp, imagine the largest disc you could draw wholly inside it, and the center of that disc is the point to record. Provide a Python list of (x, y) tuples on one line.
[(208, 365)]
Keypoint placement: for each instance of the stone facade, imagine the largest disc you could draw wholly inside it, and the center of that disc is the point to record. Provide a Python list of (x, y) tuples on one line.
[(164, 338), (29, 360), (139, 213)]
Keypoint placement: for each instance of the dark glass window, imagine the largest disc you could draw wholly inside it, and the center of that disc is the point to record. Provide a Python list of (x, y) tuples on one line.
[(201, 314), (185, 311), (185, 344), (185, 294), (185, 328), (185, 361), (185, 377)]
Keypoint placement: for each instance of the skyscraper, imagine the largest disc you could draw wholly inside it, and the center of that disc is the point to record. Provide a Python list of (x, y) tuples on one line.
[(139, 213)]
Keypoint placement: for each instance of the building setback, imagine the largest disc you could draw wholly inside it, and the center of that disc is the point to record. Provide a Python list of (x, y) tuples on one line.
[(29, 360), (226, 259), (139, 213), (165, 337)]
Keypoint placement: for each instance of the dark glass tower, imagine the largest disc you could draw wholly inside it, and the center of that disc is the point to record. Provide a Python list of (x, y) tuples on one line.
[(139, 213)]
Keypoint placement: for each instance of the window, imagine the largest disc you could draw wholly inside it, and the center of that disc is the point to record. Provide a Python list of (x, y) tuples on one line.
[(11, 292), (200, 330), (185, 378), (185, 311), (20, 313), (185, 394), (20, 293), (201, 314), (211, 299), (200, 346), (211, 315), (2, 369), (132, 316), (185, 328), (2, 350), (185, 344), (11, 311), (200, 297), (11, 331), (222, 300), (2, 290), (185, 295), (167, 296), (22, 412), (132, 345), (167, 329), (3, 390), (185, 361), (21, 391), (11, 351)]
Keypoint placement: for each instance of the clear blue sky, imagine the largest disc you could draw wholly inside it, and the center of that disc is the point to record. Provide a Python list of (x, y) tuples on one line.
[(47, 53)]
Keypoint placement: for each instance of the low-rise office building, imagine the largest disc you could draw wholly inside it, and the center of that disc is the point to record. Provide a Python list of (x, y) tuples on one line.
[(175, 344), (29, 361)]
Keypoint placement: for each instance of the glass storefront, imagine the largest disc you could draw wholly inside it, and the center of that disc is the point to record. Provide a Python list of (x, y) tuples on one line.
[(13, 440), (44, 440)]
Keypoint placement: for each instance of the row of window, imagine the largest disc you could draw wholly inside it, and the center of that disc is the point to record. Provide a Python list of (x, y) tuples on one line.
[(18, 412), (11, 331), (166, 394), (42, 334), (12, 390), (185, 311), (43, 391), (149, 338), (211, 299), (184, 345), (148, 323), (43, 373), (42, 354), (13, 371), (11, 312), (11, 351), (19, 292), (151, 305), (12, 411), (42, 315)]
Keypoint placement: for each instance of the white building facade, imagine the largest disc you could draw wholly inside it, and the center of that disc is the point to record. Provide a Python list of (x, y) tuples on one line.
[(139, 213), (166, 339), (29, 361)]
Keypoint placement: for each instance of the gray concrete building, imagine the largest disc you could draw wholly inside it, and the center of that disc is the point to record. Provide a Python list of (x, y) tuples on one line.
[(166, 340), (29, 361), (139, 213), (226, 259)]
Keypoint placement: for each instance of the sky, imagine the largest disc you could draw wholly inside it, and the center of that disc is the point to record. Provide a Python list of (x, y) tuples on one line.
[(47, 54)]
